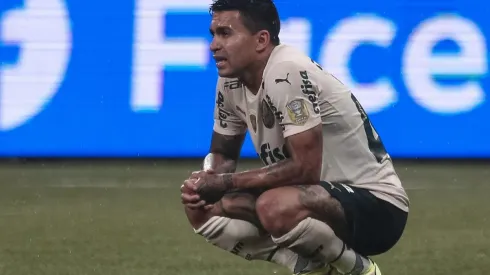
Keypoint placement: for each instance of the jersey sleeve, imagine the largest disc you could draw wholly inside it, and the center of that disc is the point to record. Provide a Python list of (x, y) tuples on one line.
[(293, 92), (226, 122)]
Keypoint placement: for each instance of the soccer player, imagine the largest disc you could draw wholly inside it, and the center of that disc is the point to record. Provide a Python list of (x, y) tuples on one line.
[(328, 196)]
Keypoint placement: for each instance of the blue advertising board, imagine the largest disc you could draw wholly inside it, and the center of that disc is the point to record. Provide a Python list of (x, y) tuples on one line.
[(135, 78)]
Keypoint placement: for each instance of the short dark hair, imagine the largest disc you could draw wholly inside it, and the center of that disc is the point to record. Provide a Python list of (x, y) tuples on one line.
[(257, 15)]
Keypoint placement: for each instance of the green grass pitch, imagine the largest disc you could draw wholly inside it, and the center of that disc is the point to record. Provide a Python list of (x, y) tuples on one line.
[(125, 217)]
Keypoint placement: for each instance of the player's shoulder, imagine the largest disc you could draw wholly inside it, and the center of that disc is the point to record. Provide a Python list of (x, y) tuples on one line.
[(285, 65), (228, 90), (226, 84)]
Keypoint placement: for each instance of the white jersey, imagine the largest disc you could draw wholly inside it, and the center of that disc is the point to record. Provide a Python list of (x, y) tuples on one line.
[(297, 95)]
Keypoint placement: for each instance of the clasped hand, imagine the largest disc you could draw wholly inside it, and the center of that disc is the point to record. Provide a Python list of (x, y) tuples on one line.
[(203, 189)]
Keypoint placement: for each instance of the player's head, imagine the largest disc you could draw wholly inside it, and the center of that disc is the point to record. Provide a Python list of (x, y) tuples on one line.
[(242, 31)]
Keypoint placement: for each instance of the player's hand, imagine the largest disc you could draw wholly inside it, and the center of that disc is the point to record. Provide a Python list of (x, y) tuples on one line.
[(189, 196), (211, 187), (197, 174)]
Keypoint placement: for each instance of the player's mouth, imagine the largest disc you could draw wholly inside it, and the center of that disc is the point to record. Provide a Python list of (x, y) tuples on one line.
[(220, 61)]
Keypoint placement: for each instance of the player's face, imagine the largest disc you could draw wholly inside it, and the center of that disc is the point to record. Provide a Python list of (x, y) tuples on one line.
[(233, 45)]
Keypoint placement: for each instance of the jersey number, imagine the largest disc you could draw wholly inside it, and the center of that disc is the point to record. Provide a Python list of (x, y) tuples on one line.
[(374, 141)]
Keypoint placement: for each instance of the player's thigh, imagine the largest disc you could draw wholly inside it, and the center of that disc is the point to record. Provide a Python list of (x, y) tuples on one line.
[(373, 225), (237, 201), (239, 205), (281, 209), (321, 205)]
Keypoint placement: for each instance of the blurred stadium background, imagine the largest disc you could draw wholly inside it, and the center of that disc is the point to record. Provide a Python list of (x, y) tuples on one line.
[(106, 106)]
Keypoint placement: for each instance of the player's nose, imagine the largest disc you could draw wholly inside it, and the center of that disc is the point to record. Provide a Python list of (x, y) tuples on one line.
[(215, 45)]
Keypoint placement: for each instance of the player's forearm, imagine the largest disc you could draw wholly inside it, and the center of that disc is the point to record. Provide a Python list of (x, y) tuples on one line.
[(284, 173), (218, 163)]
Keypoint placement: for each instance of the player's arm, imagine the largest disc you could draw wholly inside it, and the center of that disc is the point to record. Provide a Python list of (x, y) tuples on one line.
[(303, 168), (302, 129), (228, 135), (224, 152)]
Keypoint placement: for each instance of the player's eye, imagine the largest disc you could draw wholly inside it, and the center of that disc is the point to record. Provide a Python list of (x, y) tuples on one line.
[(224, 32)]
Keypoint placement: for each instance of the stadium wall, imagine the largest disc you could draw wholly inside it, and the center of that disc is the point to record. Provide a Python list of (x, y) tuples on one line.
[(110, 79)]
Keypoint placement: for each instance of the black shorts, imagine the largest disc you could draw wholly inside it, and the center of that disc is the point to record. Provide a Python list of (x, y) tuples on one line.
[(374, 226)]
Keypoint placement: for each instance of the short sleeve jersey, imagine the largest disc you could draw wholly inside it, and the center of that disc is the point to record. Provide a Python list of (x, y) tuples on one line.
[(296, 95)]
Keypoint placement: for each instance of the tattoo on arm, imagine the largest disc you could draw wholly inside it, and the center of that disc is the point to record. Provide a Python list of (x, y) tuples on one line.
[(228, 146), (280, 169), (228, 181), (304, 167), (224, 153)]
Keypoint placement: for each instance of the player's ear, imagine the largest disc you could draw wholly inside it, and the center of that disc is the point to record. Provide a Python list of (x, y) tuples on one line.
[(263, 39)]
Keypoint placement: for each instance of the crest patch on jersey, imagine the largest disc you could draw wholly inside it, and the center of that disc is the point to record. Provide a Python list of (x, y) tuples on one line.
[(298, 112), (253, 121), (267, 115)]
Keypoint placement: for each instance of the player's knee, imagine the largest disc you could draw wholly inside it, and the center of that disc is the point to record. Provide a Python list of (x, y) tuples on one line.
[(225, 233), (280, 210)]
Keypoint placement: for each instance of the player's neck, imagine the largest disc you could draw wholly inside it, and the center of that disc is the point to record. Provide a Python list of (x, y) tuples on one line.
[(252, 77)]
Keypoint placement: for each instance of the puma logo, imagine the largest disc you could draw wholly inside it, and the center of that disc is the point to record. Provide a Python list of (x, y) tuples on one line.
[(279, 80)]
